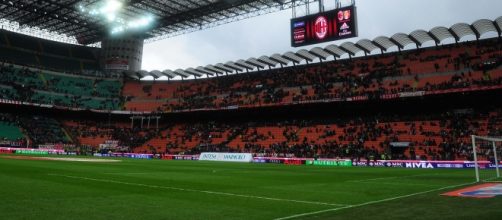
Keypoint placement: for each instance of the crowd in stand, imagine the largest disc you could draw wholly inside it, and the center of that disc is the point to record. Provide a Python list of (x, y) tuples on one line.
[(369, 77), (10, 121), (39, 130), (126, 136), (43, 130), (443, 136), (464, 65), (23, 84)]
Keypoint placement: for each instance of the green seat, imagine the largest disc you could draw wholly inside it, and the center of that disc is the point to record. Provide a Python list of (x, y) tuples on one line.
[(10, 131)]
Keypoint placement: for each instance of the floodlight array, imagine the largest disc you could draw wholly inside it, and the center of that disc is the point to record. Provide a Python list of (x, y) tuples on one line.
[(111, 11)]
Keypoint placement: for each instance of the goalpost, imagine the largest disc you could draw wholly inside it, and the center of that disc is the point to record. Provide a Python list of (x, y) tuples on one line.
[(487, 149)]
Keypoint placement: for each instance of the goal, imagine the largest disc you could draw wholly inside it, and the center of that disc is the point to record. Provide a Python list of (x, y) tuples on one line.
[(486, 155)]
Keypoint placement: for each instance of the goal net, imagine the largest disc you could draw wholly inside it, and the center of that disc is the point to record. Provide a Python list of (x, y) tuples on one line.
[(487, 153)]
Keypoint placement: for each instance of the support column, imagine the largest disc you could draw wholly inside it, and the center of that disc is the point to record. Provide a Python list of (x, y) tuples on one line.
[(121, 53)]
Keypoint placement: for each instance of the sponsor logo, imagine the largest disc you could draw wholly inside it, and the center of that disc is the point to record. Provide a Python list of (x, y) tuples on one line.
[(449, 165), (344, 26), (293, 162), (389, 96), (328, 163), (422, 165), (32, 152), (275, 161), (209, 156), (495, 166), (360, 164), (394, 164), (480, 165), (299, 34), (321, 27), (340, 15), (411, 94), (488, 190), (376, 164), (345, 33), (299, 24), (346, 14), (140, 156), (185, 157), (233, 157)]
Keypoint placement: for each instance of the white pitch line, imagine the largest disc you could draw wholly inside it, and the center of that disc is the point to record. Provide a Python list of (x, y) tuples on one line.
[(388, 178), (370, 203), (493, 178), (199, 191), (406, 183)]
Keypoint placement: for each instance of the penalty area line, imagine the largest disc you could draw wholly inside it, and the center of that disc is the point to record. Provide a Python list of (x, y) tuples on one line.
[(371, 202), (197, 191)]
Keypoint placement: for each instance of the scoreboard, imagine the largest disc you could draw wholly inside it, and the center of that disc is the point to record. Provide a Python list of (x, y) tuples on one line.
[(327, 26)]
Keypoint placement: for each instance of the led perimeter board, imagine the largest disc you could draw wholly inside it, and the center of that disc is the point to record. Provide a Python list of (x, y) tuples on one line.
[(326, 26)]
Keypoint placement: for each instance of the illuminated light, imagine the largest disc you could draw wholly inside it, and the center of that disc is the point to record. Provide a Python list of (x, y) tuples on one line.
[(82, 8), (111, 6), (110, 12), (110, 17), (142, 22), (93, 12), (117, 30)]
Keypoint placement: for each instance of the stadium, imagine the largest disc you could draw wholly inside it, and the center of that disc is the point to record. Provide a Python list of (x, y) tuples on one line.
[(343, 122)]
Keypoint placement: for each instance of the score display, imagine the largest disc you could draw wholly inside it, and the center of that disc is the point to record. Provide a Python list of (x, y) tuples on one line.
[(327, 26)]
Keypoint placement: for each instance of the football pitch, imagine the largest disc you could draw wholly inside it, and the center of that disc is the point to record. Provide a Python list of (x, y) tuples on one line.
[(155, 189)]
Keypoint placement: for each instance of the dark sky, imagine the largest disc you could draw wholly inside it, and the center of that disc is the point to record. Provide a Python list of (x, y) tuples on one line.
[(269, 34)]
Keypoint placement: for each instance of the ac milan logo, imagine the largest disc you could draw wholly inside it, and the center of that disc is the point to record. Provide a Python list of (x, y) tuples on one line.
[(340, 15), (321, 27)]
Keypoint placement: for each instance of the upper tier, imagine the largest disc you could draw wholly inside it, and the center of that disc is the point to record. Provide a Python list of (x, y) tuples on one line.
[(443, 69), (64, 90), (31, 51), (466, 66)]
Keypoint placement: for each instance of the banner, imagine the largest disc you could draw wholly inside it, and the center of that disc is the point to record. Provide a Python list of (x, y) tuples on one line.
[(413, 164), (268, 160), (281, 160), (229, 157), (294, 161), (32, 152), (5, 151), (180, 157), (389, 96), (117, 64), (357, 98), (128, 155), (411, 94), (11, 143), (331, 163), (400, 144)]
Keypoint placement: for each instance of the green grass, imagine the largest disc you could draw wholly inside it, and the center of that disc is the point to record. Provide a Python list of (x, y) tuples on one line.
[(154, 189)]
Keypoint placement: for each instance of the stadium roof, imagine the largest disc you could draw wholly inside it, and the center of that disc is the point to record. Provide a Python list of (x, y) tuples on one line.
[(382, 43), (171, 17)]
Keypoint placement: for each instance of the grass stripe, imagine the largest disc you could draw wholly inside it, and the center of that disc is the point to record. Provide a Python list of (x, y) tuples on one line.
[(389, 178), (371, 202), (197, 191)]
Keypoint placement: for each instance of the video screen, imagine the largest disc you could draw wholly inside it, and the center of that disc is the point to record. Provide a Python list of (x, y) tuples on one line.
[(327, 26)]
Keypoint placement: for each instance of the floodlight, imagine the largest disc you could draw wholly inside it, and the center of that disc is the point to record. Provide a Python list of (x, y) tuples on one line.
[(109, 11), (110, 17), (111, 6)]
